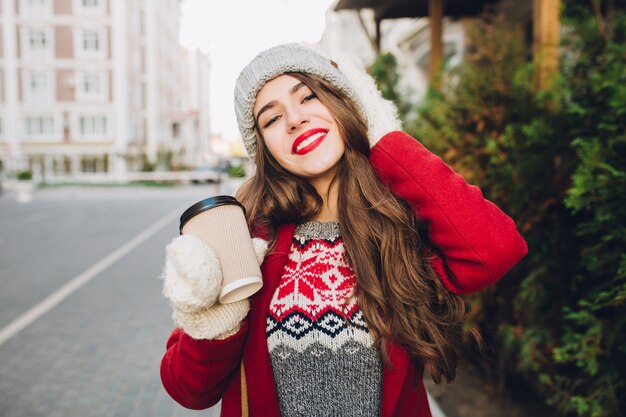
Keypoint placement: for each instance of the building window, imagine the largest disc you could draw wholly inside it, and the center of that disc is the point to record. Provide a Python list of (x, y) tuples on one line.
[(175, 130), (38, 82), (37, 40), (92, 127), (38, 87), (38, 126), (91, 41), (92, 86), (89, 7), (35, 8)]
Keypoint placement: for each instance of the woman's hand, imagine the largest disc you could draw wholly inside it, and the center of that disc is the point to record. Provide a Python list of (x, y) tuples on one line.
[(192, 282)]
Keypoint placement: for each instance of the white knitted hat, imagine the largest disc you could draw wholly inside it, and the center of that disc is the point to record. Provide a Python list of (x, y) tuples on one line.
[(380, 114)]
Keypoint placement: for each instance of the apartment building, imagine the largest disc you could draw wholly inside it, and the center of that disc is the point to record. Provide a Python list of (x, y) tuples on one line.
[(98, 86)]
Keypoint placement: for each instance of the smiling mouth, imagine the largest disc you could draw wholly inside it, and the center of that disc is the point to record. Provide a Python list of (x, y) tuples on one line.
[(308, 141)]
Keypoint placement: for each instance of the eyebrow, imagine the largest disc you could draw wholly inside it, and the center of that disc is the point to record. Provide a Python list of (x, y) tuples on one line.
[(272, 103)]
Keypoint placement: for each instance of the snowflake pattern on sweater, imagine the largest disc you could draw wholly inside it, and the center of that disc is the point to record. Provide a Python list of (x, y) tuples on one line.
[(322, 354)]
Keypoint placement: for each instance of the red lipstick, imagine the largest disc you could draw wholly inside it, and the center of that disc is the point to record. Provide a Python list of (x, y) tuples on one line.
[(319, 134)]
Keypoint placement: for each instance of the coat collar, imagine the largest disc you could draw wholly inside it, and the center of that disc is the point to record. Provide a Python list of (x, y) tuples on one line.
[(262, 394)]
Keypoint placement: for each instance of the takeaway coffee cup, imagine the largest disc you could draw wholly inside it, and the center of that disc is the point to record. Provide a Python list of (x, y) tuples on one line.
[(220, 222)]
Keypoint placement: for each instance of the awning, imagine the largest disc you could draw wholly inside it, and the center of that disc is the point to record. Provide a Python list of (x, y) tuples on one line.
[(392, 9)]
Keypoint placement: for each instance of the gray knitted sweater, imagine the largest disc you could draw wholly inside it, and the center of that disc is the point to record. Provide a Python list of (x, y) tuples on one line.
[(321, 352)]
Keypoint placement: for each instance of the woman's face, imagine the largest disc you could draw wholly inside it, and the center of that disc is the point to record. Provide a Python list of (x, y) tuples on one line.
[(298, 130)]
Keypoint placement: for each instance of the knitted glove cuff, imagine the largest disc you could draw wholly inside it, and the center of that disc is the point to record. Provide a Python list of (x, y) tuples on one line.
[(217, 322), (260, 248)]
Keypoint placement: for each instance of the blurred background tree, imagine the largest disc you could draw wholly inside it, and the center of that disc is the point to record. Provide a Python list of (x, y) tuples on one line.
[(385, 71), (555, 161)]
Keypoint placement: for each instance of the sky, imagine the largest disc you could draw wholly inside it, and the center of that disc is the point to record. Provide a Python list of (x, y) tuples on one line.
[(232, 32)]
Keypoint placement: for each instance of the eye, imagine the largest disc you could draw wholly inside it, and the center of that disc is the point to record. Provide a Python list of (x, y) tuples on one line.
[(270, 121), (309, 97)]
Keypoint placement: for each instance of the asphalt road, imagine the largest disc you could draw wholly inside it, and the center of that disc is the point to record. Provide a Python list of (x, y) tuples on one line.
[(83, 324)]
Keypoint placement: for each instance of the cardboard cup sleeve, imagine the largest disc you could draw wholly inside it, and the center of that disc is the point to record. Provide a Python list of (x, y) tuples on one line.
[(220, 222)]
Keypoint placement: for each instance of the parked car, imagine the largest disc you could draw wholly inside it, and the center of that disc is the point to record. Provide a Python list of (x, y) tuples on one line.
[(207, 174)]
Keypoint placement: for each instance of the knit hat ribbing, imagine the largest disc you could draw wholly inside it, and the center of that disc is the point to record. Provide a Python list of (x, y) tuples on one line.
[(271, 63)]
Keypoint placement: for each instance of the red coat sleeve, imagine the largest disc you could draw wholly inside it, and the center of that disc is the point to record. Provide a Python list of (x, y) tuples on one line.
[(195, 373), (476, 241)]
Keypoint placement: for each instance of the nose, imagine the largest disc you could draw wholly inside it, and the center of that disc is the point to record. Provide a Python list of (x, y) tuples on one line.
[(295, 119)]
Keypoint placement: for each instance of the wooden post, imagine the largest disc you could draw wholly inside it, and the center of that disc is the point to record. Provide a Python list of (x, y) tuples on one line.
[(377, 37), (375, 41), (435, 15), (546, 38)]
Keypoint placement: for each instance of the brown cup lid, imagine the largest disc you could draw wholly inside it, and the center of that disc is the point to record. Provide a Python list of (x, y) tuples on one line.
[(206, 204)]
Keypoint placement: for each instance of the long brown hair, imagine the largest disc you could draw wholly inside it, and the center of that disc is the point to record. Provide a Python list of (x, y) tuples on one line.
[(400, 295)]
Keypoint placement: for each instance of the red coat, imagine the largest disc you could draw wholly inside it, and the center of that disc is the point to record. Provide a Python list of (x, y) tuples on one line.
[(478, 244)]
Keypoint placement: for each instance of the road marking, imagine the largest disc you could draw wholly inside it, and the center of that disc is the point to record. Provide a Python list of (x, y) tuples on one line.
[(75, 283)]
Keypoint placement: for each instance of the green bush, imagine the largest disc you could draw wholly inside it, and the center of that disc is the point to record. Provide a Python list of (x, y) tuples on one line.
[(384, 69), (25, 175), (146, 165), (236, 171), (556, 162), (593, 343)]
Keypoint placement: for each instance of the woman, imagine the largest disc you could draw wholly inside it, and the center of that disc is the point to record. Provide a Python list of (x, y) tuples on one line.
[(371, 240)]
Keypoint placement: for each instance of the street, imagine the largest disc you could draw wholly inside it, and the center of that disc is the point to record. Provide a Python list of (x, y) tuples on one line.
[(83, 324)]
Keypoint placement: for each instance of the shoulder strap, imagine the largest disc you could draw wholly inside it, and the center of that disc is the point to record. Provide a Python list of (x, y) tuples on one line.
[(244, 392)]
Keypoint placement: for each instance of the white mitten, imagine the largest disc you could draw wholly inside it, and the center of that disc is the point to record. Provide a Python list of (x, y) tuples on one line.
[(382, 115), (192, 274), (192, 279)]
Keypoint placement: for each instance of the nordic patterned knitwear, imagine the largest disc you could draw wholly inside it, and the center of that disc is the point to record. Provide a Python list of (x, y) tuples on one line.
[(321, 352), (271, 63)]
